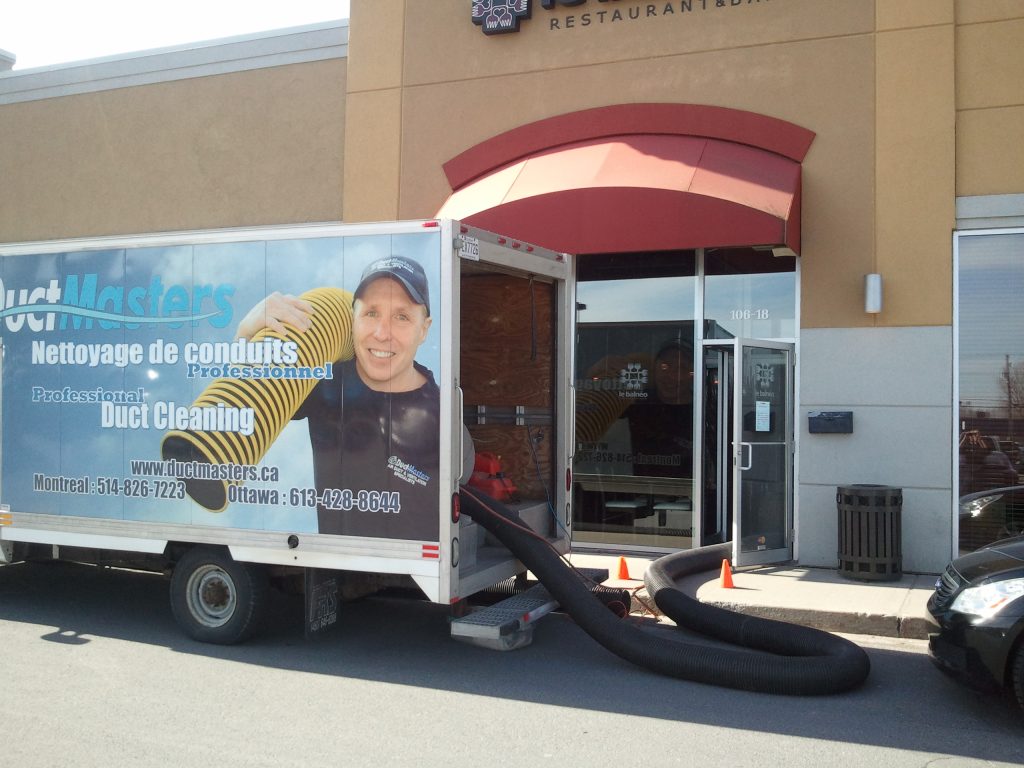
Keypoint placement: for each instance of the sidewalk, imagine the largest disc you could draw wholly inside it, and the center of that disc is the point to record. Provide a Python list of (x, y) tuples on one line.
[(814, 597)]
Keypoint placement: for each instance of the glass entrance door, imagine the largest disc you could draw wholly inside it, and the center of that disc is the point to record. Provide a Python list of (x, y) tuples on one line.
[(748, 449), (657, 365), (717, 409)]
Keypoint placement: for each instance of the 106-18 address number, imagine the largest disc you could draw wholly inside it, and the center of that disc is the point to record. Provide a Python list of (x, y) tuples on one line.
[(749, 314)]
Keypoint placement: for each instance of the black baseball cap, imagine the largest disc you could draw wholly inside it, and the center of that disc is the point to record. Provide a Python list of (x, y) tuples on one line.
[(406, 271)]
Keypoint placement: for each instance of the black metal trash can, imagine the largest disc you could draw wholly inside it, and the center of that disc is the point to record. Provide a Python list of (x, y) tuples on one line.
[(870, 532)]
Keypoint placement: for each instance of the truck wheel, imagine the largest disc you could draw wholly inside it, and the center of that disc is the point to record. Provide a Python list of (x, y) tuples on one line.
[(216, 599)]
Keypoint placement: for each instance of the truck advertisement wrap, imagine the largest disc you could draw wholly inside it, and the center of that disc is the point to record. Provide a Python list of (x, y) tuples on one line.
[(278, 385)]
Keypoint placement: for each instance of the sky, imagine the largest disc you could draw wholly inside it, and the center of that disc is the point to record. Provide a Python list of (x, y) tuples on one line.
[(43, 33)]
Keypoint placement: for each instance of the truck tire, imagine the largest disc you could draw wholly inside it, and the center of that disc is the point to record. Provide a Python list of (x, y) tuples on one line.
[(216, 599)]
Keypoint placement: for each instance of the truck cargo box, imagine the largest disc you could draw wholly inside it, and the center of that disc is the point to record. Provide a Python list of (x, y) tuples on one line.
[(234, 404)]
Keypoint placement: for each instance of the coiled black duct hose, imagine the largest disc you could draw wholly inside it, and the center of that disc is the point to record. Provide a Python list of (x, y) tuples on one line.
[(811, 662)]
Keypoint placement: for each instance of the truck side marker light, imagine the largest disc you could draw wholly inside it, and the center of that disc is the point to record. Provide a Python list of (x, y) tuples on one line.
[(274, 401)]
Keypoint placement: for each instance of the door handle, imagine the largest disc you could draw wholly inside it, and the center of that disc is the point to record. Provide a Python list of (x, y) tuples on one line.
[(750, 456)]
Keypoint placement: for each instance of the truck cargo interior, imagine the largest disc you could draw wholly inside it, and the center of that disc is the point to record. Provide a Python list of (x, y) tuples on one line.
[(508, 374)]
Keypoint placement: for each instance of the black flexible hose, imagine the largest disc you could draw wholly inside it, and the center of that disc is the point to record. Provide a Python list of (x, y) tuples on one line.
[(818, 662), (829, 664)]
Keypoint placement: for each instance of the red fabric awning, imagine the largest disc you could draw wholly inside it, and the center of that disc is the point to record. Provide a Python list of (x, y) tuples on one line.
[(639, 192)]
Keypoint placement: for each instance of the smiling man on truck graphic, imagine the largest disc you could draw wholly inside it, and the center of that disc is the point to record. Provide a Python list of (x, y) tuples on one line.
[(374, 427)]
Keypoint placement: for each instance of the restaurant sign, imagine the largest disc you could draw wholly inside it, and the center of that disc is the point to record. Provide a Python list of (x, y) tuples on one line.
[(497, 17)]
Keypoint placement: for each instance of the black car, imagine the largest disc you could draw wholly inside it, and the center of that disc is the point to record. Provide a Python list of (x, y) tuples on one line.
[(978, 613)]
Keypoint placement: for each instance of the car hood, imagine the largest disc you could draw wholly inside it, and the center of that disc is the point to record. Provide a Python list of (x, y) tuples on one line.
[(998, 558)]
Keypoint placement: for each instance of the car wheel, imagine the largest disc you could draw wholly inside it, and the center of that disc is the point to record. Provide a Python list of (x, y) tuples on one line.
[(1017, 673)]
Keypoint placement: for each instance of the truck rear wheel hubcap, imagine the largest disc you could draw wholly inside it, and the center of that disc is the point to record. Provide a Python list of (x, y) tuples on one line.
[(211, 596)]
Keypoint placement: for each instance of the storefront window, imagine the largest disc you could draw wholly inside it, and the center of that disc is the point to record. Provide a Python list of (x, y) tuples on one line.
[(750, 294), (991, 385), (639, 331), (634, 400)]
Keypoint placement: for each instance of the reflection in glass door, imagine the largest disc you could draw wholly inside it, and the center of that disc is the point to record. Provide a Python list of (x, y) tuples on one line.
[(747, 449), (716, 498), (762, 479)]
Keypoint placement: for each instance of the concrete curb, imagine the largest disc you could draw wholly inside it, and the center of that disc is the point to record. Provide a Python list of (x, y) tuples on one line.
[(881, 625)]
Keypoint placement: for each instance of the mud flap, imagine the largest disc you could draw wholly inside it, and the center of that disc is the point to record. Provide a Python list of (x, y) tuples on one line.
[(321, 601)]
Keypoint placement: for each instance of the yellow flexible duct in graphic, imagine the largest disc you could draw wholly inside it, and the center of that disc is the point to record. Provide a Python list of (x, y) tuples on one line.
[(273, 400), (596, 411)]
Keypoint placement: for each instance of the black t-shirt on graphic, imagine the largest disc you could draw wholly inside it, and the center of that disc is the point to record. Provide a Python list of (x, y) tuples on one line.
[(375, 456)]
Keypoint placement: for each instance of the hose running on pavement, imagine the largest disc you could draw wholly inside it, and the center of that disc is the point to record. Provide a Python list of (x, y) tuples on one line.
[(793, 659)]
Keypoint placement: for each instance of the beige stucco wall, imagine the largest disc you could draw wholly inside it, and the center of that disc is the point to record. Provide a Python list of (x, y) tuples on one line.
[(257, 147), (990, 97), (914, 164), (874, 81)]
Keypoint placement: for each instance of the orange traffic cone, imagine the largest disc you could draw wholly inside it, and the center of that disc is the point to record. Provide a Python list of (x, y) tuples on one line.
[(623, 569), (726, 580)]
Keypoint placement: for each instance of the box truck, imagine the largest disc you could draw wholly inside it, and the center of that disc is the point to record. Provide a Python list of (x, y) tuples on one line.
[(291, 405)]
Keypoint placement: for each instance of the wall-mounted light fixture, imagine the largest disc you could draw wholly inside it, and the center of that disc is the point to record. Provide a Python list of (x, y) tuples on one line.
[(873, 293)]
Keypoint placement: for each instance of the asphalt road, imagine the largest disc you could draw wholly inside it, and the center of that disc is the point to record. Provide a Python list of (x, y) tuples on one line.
[(95, 673)]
